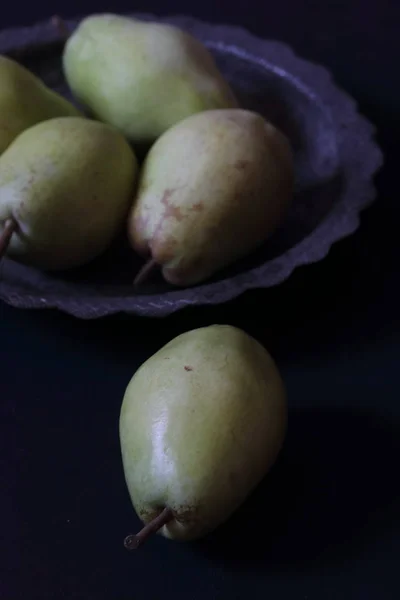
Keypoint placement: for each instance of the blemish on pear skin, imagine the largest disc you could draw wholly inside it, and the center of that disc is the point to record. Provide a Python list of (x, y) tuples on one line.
[(198, 206), (171, 210), (162, 250), (188, 368)]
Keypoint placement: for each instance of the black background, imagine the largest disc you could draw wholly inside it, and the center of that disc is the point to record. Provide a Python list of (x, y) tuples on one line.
[(325, 524)]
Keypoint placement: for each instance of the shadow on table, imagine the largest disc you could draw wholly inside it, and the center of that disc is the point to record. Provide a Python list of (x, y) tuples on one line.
[(334, 489)]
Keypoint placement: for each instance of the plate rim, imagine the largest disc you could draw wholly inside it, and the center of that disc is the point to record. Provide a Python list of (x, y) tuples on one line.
[(315, 79)]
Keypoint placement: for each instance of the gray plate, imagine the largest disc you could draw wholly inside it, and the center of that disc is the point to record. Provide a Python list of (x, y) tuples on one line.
[(336, 158)]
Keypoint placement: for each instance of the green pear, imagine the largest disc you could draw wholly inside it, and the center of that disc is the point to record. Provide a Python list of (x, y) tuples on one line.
[(212, 189), (142, 77), (65, 189), (25, 100), (201, 423)]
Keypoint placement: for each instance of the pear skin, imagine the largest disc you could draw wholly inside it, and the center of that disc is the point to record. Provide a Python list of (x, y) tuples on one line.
[(201, 423), (142, 77), (212, 189), (25, 100), (65, 189)]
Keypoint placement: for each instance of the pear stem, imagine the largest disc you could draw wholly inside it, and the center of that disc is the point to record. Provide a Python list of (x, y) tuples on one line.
[(60, 26), (145, 272), (9, 227), (132, 542)]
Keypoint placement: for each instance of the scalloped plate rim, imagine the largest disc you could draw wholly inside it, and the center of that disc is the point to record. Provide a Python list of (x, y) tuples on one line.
[(227, 289)]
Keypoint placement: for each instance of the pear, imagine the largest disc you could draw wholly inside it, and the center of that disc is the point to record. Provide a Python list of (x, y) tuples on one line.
[(65, 189), (201, 423), (212, 189), (25, 100), (142, 77)]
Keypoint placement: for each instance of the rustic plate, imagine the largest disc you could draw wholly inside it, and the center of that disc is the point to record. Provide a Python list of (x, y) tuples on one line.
[(336, 158)]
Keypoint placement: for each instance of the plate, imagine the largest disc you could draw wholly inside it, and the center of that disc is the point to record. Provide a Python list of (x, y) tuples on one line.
[(336, 158)]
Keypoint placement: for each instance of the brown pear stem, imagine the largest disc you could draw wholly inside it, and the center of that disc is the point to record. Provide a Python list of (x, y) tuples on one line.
[(132, 542), (145, 272), (9, 227), (60, 26)]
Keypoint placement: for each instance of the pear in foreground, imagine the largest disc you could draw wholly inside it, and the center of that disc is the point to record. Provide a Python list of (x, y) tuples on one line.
[(202, 422), (65, 189), (212, 189), (142, 77), (25, 100)]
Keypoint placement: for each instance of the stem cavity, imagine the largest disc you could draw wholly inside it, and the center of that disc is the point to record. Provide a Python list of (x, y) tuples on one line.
[(132, 542)]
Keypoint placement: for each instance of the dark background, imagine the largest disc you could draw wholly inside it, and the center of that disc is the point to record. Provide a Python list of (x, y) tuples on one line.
[(326, 523)]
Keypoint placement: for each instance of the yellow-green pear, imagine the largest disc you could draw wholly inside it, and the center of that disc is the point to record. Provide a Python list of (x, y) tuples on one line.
[(25, 100), (212, 189), (65, 189), (201, 423), (142, 77)]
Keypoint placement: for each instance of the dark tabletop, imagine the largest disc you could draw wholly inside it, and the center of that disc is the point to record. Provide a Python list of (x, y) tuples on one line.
[(325, 524)]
